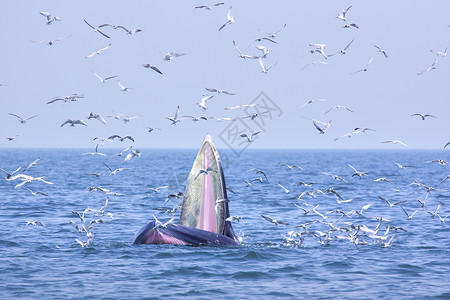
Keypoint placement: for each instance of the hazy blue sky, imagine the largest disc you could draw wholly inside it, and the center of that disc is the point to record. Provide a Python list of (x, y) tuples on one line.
[(383, 98)]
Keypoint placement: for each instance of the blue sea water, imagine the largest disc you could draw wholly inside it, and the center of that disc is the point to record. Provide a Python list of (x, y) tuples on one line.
[(38, 262)]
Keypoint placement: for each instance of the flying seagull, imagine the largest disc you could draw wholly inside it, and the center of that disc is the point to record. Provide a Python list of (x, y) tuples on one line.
[(74, 122), (102, 80), (206, 7), (152, 67), (49, 17), (176, 118), (22, 120), (96, 29), (230, 19), (122, 87), (395, 142), (365, 68), (381, 50), (341, 15), (98, 51), (423, 116), (251, 138), (321, 129), (219, 91)]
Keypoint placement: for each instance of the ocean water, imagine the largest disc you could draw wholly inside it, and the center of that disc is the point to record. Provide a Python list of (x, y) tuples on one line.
[(271, 263)]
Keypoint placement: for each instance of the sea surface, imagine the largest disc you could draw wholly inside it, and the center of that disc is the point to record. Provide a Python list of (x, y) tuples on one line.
[(272, 262)]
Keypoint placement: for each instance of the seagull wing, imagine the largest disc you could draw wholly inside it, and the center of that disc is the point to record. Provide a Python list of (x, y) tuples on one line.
[(89, 24), (15, 116)]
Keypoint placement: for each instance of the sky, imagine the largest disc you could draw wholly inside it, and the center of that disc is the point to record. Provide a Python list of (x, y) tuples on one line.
[(382, 98)]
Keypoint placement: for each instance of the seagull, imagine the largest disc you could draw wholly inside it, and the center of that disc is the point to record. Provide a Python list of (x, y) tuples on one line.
[(446, 177), (168, 56), (433, 214), (255, 115), (319, 48), (251, 138), (350, 25), (291, 167), (264, 50), (241, 106), (230, 19), (423, 116), (285, 189), (219, 91), (35, 223), (363, 129), (156, 190), (159, 224), (382, 179), (98, 51), (365, 68), (112, 137), (338, 106), (260, 171), (88, 243), (12, 137), (150, 129), (234, 218), (314, 63), (358, 173), (264, 69), (395, 142), (344, 51), (133, 154), (446, 144), (96, 29), (274, 35), (442, 219), (50, 42), (439, 161), (409, 216), (323, 129), (274, 221), (27, 179), (342, 14), (176, 118), (152, 67), (10, 175), (126, 119), (244, 56), (49, 17), (123, 151), (195, 119), (403, 166), (22, 120), (95, 153), (114, 172), (98, 117), (123, 88), (209, 7), (205, 172), (312, 101), (97, 174), (202, 102), (74, 122), (71, 98), (103, 80), (432, 67), (335, 177), (381, 50), (35, 193), (391, 205), (438, 53)]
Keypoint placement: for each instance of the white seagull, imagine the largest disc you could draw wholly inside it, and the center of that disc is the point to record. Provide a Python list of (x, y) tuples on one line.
[(230, 19), (74, 122), (22, 120), (98, 51)]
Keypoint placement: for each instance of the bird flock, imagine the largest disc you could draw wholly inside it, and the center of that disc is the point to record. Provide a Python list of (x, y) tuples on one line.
[(338, 222)]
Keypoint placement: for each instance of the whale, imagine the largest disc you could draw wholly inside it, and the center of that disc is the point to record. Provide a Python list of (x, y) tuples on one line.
[(204, 217)]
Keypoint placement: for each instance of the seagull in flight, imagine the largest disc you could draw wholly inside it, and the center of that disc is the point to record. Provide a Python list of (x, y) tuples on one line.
[(35, 223), (335, 177), (22, 120), (285, 189), (206, 7), (438, 53), (341, 15), (230, 20), (432, 67), (290, 167), (95, 153), (176, 118), (99, 51), (264, 69), (319, 48), (312, 101), (11, 138), (365, 68), (409, 216), (219, 91), (97, 116), (168, 56), (49, 17), (103, 80), (274, 35), (241, 106), (114, 172), (381, 50), (9, 176), (321, 129), (132, 154), (395, 142), (202, 102), (96, 29), (358, 173), (338, 107), (35, 193), (147, 66), (74, 122), (268, 219), (344, 51), (251, 137), (391, 205), (403, 166), (424, 116), (122, 87), (50, 42), (205, 172), (351, 25), (244, 56)]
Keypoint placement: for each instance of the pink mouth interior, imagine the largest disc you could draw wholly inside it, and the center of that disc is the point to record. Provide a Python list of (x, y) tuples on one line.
[(208, 213)]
